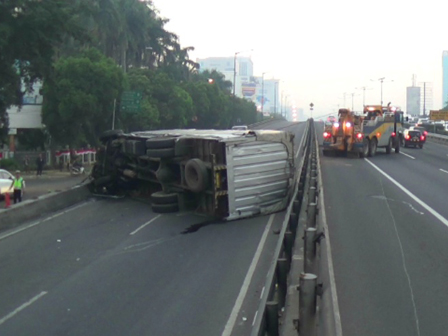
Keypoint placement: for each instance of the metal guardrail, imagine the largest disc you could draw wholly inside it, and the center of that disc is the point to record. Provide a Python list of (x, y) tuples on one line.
[(439, 138), (274, 297), (266, 121)]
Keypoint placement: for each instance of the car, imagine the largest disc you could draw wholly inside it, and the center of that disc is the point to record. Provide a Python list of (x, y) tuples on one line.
[(421, 129), (6, 179), (414, 138), (240, 128), (332, 119)]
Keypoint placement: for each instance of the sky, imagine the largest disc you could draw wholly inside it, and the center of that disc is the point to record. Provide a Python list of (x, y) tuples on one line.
[(321, 49)]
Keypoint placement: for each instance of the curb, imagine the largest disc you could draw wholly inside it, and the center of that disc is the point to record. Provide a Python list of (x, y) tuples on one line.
[(27, 210)]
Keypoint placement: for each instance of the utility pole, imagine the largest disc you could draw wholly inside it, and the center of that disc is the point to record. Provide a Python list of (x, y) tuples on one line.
[(424, 99), (262, 91)]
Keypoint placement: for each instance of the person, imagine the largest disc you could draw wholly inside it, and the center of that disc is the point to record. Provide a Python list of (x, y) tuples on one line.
[(19, 187), (26, 163), (40, 165)]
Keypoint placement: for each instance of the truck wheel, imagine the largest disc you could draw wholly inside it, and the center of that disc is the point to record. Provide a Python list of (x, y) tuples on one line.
[(397, 147), (373, 146), (158, 143), (389, 146), (160, 197), (196, 175), (102, 181), (165, 208), (111, 134), (365, 149), (160, 153)]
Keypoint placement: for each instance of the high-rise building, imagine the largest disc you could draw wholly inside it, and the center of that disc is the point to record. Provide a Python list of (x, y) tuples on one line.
[(426, 98), (244, 69), (413, 100), (445, 78)]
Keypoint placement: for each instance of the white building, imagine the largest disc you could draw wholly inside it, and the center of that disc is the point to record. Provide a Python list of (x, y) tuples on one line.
[(225, 65)]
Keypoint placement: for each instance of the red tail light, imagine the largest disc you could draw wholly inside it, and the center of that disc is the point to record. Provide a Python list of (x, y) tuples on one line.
[(327, 135), (359, 135), (407, 137), (422, 137), (425, 132), (393, 134)]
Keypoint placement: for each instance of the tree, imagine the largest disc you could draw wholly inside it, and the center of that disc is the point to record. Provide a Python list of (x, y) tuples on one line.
[(29, 30), (79, 98)]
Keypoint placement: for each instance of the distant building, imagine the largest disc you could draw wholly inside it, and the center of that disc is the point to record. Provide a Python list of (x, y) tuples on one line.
[(426, 98), (270, 94), (413, 100), (244, 69), (445, 78)]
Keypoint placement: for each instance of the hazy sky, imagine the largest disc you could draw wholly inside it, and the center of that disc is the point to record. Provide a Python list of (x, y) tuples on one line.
[(322, 49)]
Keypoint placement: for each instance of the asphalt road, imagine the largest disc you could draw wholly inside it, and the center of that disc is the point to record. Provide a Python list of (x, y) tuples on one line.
[(389, 240), (112, 267)]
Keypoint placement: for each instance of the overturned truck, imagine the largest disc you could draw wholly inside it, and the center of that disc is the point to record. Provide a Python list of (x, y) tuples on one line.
[(228, 174)]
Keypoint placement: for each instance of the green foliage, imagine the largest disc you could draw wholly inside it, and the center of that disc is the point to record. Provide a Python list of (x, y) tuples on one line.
[(32, 139), (88, 52), (79, 98), (9, 164)]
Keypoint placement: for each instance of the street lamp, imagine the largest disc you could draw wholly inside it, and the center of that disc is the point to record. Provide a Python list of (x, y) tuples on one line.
[(363, 88), (381, 81), (234, 67), (262, 91)]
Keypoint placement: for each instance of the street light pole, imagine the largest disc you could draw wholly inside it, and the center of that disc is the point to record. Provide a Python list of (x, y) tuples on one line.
[(381, 80), (275, 97), (262, 92), (363, 88), (234, 68)]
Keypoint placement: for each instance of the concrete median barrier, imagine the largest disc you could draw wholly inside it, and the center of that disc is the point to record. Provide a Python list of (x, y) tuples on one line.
[(32, 209)]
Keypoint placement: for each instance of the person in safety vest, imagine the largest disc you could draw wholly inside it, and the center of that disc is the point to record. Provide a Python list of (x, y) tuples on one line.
[(19, 187)]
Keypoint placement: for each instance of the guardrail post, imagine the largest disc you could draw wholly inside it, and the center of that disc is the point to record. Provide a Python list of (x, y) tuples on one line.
[(307, 304), (311, 218), (282, 275), (296, 206), (312, 194), (310, 250), (313, 173), (293, 222), (289, 242), (313, 182), (272, 318)]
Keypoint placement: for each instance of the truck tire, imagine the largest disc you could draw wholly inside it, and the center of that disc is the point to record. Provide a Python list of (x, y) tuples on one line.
[(160, 153), (365, 149), (196, 175), (397, 146), (158, 143), (160, 197), (102, 181), (111, 134), (389, 146), (373, 147), (165, 208)]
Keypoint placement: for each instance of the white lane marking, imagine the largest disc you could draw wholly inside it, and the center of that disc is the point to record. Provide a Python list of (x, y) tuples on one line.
[(409, 156), (262, 292), (443, 170), (403, 261), (43, 220), (411, 195), (146, 224), (22, 307), (412, 207), (245, 287), (334, 293), (255, 317)]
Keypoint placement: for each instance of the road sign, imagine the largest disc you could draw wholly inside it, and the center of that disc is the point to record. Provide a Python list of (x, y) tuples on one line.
[(438, 115), (131, 101)]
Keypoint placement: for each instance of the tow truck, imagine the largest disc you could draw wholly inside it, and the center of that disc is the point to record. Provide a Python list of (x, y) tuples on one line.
[(378, 127)]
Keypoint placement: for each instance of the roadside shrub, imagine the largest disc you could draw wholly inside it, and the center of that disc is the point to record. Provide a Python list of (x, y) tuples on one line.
[(9, 164)]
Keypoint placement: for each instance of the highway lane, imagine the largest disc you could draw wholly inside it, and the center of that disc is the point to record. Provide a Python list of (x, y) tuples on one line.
[(389, 252), (112, 267)]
